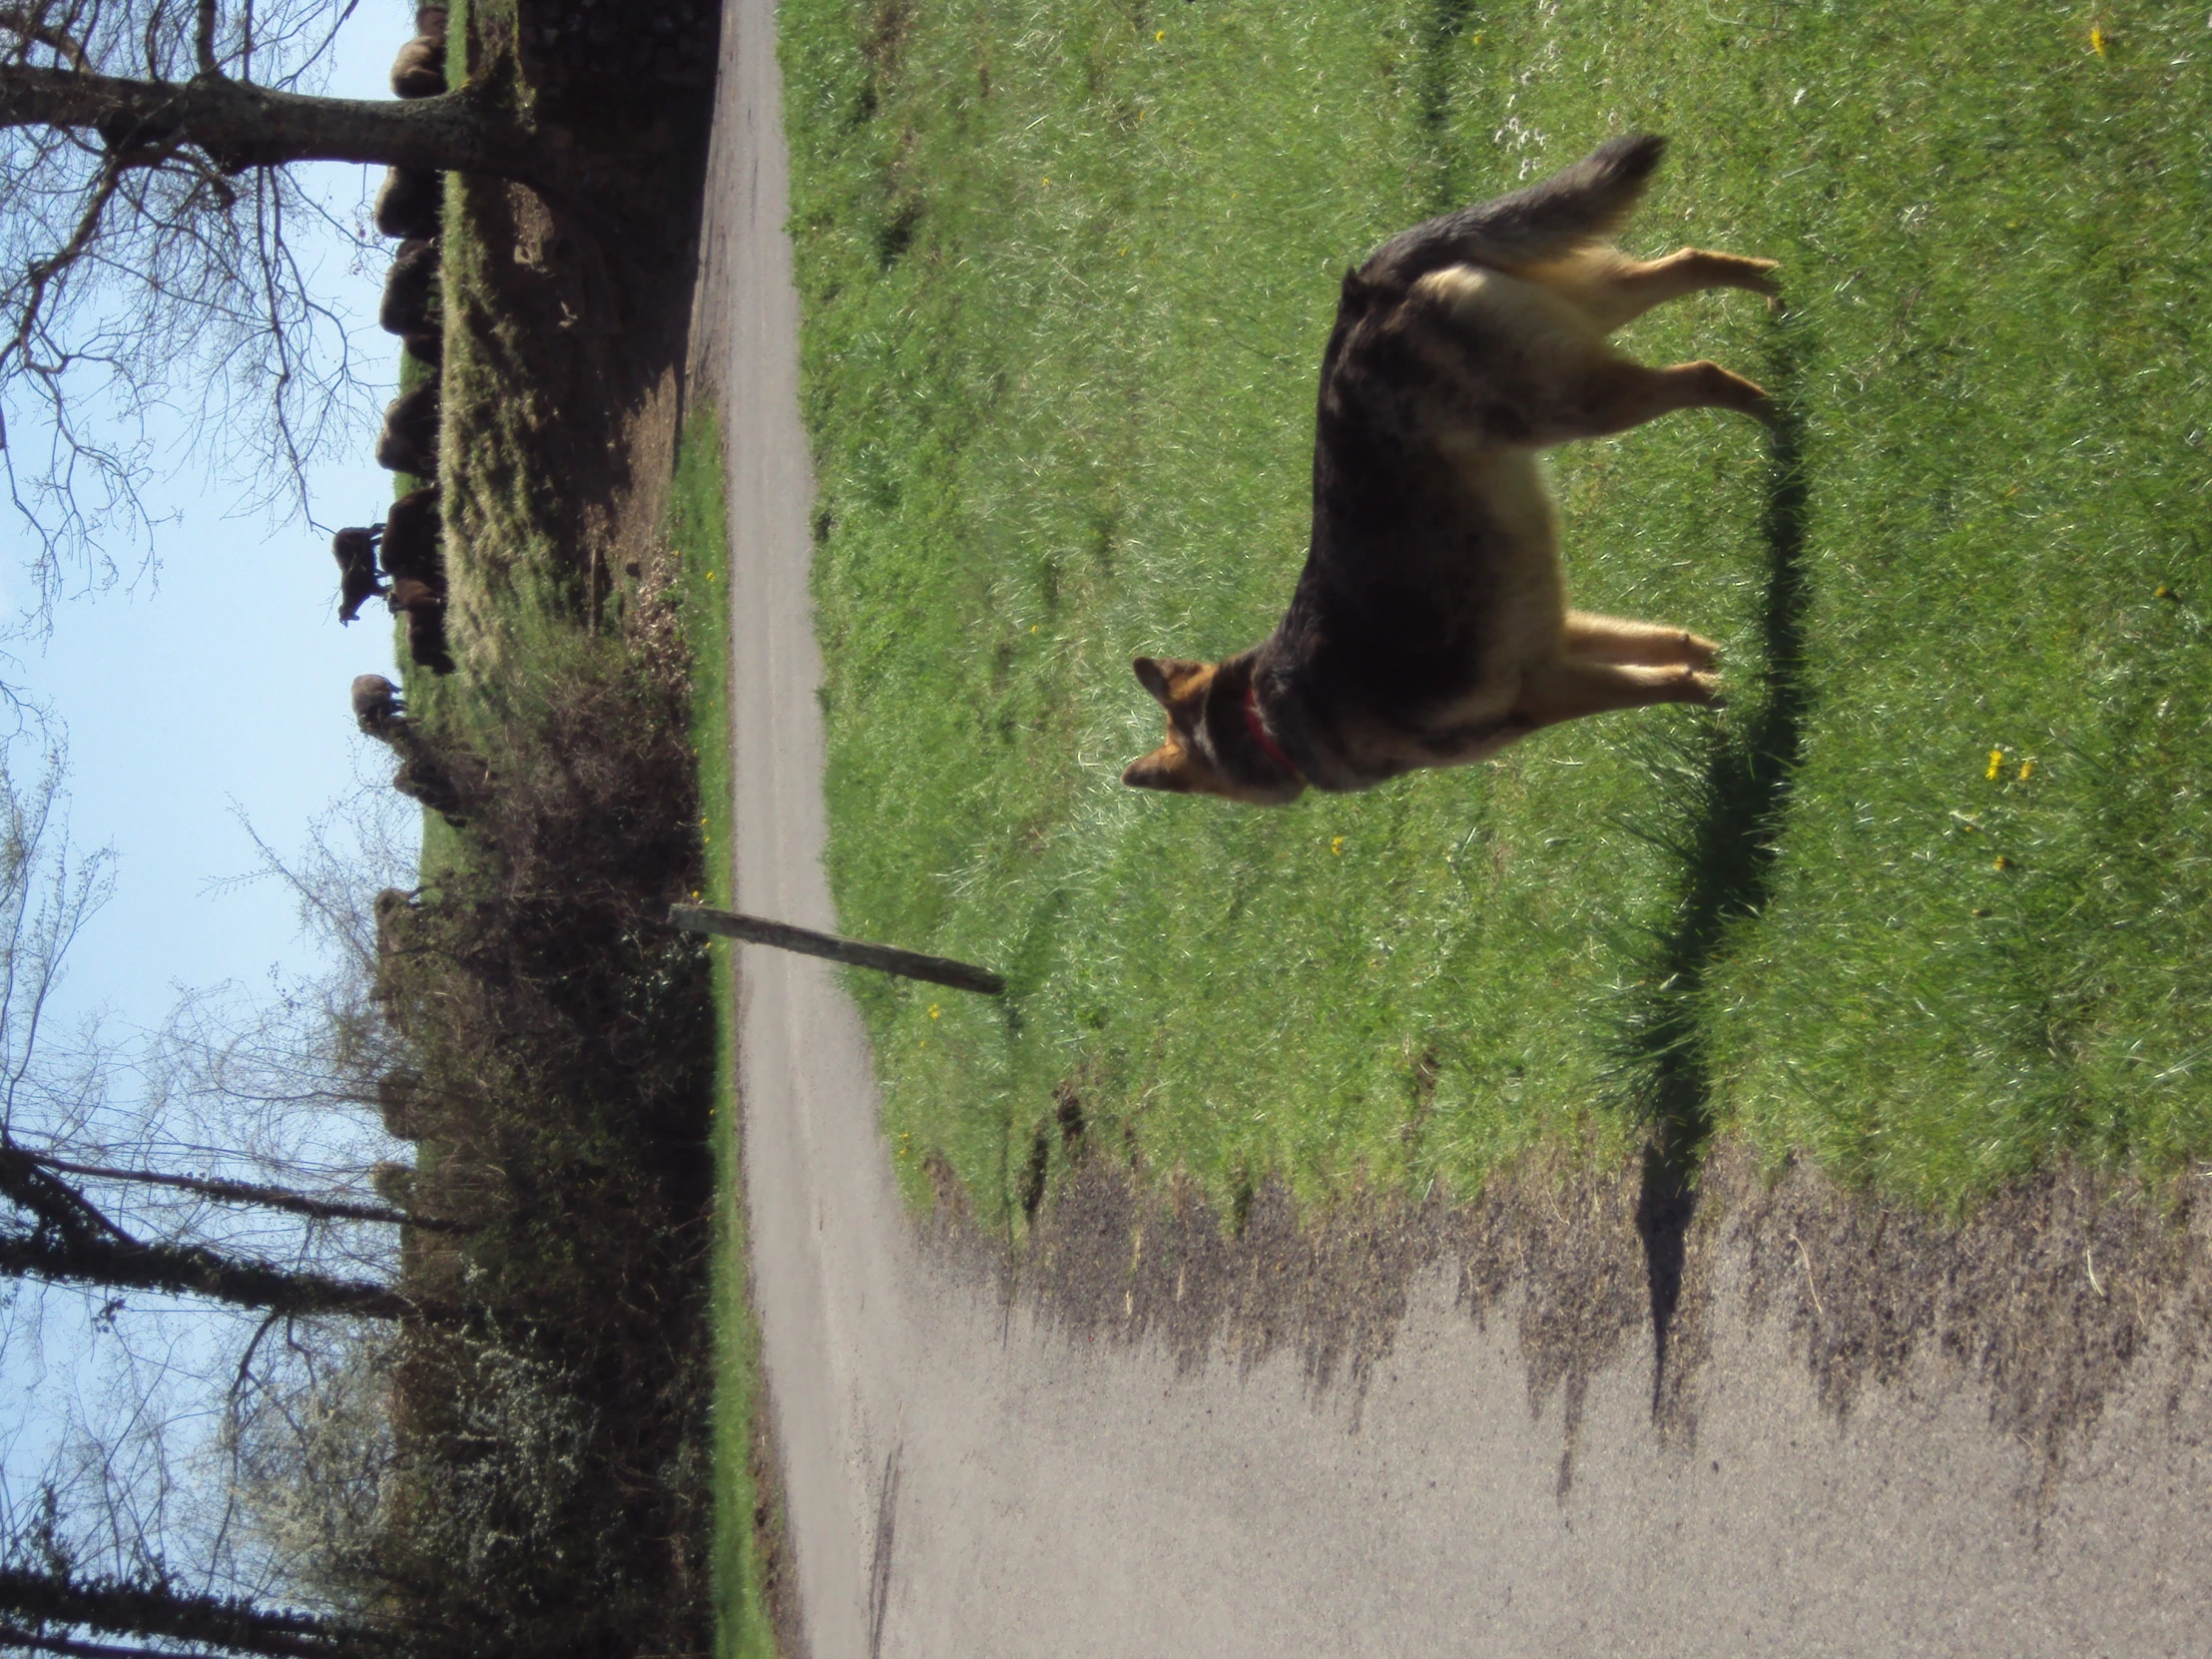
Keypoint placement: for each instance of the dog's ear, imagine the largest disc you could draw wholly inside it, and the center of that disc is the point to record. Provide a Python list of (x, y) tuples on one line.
[(1177, 686)]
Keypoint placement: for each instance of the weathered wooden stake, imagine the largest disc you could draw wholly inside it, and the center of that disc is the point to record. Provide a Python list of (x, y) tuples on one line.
[(883, 958)]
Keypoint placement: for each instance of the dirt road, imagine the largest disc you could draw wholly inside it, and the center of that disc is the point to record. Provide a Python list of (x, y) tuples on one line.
[(969, 1475)]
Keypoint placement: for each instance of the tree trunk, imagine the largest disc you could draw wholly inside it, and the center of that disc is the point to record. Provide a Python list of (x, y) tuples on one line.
[(62, 1601), (248, 1192), (192, 1269), (239, 125)]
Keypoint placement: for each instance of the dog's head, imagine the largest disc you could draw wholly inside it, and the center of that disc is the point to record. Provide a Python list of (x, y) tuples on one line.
[(1210, 747)]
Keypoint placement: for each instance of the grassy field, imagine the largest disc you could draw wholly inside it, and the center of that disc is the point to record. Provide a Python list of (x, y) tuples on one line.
[(1931, 901)]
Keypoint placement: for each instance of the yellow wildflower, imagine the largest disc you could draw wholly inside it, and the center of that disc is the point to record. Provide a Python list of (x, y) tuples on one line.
[(2027, 765), (1159, 36), (934, 1010), (1337, 846), (1996, 761), (2096, 41), (2002, 862)]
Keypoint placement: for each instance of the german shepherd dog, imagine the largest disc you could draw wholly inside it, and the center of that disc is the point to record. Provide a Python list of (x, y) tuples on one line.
[(1430, 625)]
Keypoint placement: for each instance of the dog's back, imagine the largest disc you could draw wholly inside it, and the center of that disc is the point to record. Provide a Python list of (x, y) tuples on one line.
[(1432, 610)]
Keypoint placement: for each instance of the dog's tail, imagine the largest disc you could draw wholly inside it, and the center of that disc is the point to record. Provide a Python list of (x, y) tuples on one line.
[(1578, 206)]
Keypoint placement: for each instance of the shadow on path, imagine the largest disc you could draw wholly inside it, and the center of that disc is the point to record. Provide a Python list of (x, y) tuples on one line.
[(1727, 848)]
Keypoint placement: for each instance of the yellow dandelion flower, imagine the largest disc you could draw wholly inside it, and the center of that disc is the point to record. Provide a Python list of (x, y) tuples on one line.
[(1997, 763), (2162, 592), (934, 1010), (2002, 862), (1337, 846), (1159, 37), (2096, 42), (2027, 765)]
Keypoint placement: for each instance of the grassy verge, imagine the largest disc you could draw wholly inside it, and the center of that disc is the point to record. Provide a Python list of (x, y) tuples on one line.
[(698, 534), (1931, 901), (552, 1472)]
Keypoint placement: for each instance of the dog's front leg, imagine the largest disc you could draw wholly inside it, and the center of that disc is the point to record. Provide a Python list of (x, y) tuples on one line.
[(1592, 638), (1568, 689)]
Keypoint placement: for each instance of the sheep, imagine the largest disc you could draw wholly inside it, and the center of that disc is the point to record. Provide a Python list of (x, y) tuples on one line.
[(419, 69), (406, 304), (356, 552), (410, 543), (410, 441), (377, 707), (410, 204)]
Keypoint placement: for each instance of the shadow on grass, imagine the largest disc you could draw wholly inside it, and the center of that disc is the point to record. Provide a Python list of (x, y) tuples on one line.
[(1727, 848)]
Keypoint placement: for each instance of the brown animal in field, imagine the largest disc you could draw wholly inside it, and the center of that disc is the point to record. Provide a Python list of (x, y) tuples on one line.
[(409, 440), (411, 546), (405, 308), (356, 552), (1430, 626), (419, 69), (377, 708), (409, 594), (426, 639), (411, 202), (421, 778)]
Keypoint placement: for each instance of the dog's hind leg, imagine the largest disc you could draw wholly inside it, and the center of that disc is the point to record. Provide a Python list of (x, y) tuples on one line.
[(1569, 688), (1606, 392), (1615, 289), (1611, 639)]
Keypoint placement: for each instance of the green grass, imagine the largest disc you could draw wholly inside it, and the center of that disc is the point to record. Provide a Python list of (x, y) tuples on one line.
[(698, 532), (1067, 271)]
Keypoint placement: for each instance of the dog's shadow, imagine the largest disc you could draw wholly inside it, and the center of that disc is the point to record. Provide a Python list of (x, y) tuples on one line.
[(1726, 845)]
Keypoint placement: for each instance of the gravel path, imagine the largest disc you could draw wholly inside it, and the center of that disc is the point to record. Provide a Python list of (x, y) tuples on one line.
[(965, 1477)]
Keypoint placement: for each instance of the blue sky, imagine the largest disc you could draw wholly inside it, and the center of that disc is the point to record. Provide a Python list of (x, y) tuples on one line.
[(213, 685), (216, 682)]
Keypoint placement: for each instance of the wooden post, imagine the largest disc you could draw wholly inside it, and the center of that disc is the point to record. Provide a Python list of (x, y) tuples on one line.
[(883, 958)]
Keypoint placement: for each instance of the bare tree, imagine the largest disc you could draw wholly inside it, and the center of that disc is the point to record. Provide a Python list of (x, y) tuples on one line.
[(39, 1606), (242, 1296), (148, 244), (55, 1232)]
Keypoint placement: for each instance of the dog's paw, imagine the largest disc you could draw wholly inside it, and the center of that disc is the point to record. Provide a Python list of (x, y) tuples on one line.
[(1698, 651)]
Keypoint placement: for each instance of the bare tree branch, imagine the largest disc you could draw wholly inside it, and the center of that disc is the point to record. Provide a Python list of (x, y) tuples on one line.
[(139, 280), (33, 30), (247, 1192)]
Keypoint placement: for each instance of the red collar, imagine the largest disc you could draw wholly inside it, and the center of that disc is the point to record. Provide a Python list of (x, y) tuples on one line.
[(1267, 746)]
